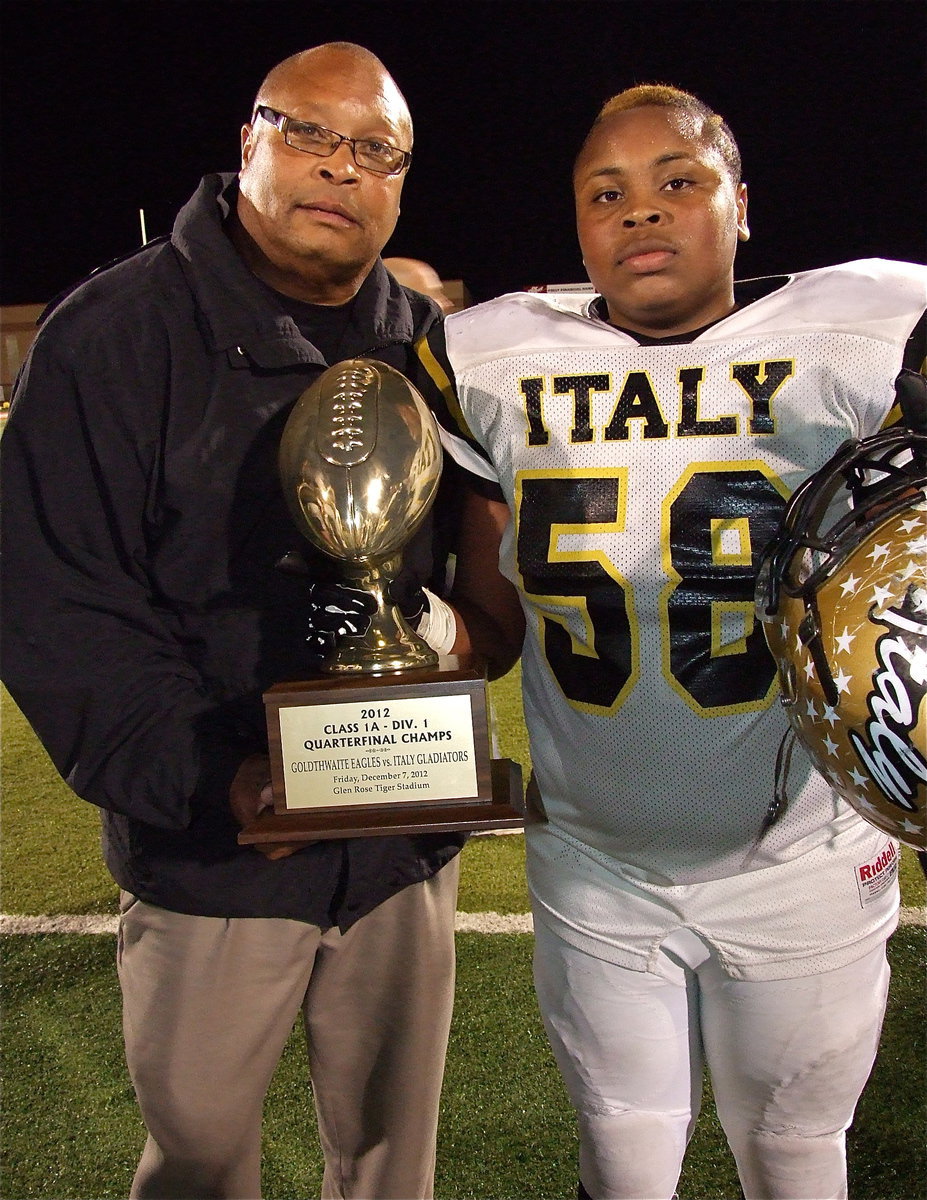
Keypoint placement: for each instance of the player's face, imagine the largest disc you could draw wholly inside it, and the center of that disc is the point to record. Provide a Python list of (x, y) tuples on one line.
[(658, 217), (323, 220)]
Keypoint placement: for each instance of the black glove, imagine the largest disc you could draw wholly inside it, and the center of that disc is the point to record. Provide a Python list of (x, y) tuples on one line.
[(336, 610), (407, 594)]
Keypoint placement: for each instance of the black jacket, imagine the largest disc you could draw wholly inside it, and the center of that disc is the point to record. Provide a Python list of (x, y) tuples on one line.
[(143, 518)]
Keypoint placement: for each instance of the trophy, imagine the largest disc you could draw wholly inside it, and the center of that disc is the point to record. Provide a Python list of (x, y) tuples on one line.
[(360, 462), (389, 737)]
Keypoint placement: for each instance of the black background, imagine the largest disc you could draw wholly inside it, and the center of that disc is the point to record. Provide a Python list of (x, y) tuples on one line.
[(109, 106)]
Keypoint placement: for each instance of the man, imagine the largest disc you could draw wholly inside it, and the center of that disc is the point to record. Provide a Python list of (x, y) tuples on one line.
[(421, 277), (155, 585), (644, 442)]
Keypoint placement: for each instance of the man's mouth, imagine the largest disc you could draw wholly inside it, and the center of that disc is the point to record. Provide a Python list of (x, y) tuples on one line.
[(647, 257), (330, 214)]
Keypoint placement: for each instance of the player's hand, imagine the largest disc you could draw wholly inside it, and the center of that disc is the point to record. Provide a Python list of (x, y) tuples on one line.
[(250, 793), (409, 597)]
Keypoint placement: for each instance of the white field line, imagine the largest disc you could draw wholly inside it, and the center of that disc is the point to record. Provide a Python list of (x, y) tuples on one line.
[(485, 922)]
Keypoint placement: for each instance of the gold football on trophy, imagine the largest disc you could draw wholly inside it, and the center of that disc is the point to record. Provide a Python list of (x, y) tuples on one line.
[(360, 462)]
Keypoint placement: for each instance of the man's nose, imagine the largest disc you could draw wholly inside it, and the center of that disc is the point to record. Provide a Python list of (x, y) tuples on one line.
[(340, 167), (642, 215)]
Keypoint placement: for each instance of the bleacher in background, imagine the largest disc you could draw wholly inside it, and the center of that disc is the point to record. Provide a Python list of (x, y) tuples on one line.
[(17, 329)]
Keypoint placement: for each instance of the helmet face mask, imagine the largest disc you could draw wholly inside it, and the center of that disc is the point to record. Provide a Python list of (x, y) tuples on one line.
[(842, 595)]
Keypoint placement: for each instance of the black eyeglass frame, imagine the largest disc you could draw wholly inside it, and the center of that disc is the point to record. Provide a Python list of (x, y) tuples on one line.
[(282, 121)]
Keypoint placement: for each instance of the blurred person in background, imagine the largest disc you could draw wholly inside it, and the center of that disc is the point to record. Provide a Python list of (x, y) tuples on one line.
[(420, 277)]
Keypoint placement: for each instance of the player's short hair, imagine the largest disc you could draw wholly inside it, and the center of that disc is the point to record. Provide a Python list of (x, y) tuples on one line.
[(712, 128)]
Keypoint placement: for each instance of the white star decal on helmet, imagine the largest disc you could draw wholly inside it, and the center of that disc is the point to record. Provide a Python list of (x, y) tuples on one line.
[(845, 640)]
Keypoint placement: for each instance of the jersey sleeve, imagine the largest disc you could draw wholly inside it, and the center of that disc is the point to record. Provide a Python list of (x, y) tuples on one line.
[(436, 379)]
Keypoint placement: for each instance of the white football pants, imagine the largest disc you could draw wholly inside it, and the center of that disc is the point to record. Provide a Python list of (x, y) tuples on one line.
[(788, 1059)]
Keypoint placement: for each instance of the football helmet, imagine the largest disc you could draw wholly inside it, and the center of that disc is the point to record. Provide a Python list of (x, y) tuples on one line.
[(842, 597)]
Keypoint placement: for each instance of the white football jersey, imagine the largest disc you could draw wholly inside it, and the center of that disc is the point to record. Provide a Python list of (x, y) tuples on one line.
[(644, 480)]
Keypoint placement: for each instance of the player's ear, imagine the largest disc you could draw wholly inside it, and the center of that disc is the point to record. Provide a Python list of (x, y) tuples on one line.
[(743, 230)]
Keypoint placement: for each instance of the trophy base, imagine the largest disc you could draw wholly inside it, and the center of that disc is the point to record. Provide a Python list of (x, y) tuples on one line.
[(505, 810), (406, 752)]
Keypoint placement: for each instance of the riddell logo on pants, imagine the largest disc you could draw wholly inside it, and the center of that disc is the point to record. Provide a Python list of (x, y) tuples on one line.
[(872, 878)]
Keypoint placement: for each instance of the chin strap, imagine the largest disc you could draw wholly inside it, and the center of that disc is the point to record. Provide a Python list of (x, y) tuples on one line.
[(780, 798)]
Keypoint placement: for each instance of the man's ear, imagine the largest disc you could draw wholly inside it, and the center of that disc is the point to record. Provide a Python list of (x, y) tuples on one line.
[(247, 144), (743, 229)]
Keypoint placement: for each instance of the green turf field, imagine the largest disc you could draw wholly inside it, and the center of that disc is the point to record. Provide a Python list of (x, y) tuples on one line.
[(71, 1128)]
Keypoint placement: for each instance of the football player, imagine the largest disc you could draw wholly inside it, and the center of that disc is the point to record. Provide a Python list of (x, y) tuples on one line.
[(632, 452)]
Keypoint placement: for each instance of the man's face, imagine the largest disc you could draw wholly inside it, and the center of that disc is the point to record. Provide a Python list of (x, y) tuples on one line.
[(658, 217), (321, 222)]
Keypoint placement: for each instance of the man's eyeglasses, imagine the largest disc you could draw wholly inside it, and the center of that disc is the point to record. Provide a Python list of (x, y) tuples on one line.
[(372, 155)]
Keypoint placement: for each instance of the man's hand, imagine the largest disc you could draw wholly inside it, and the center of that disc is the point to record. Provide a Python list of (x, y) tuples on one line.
[(249, 794), (336, 610)]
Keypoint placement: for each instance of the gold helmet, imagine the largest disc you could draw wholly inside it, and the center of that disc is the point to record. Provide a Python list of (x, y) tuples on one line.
[(842, 595)]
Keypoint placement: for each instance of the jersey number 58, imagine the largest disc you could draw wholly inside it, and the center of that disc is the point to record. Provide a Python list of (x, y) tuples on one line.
[(714, 522)]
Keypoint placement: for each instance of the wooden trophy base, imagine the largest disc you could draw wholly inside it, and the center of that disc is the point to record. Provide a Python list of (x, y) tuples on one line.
[(373, 755), (504, 811)]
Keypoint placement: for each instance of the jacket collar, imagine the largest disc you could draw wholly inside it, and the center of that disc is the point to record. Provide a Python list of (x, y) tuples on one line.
[(235, 314)]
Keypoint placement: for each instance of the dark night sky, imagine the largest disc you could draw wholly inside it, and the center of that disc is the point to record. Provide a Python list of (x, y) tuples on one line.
[(113, 105)]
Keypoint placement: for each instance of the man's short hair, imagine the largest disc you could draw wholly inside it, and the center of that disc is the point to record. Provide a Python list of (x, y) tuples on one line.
[(712, 128)]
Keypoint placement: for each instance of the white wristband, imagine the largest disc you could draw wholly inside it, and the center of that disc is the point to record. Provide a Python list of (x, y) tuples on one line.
[(438, 626)]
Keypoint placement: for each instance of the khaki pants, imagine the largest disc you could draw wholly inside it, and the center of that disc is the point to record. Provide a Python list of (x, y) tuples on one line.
[(209, 1003)]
